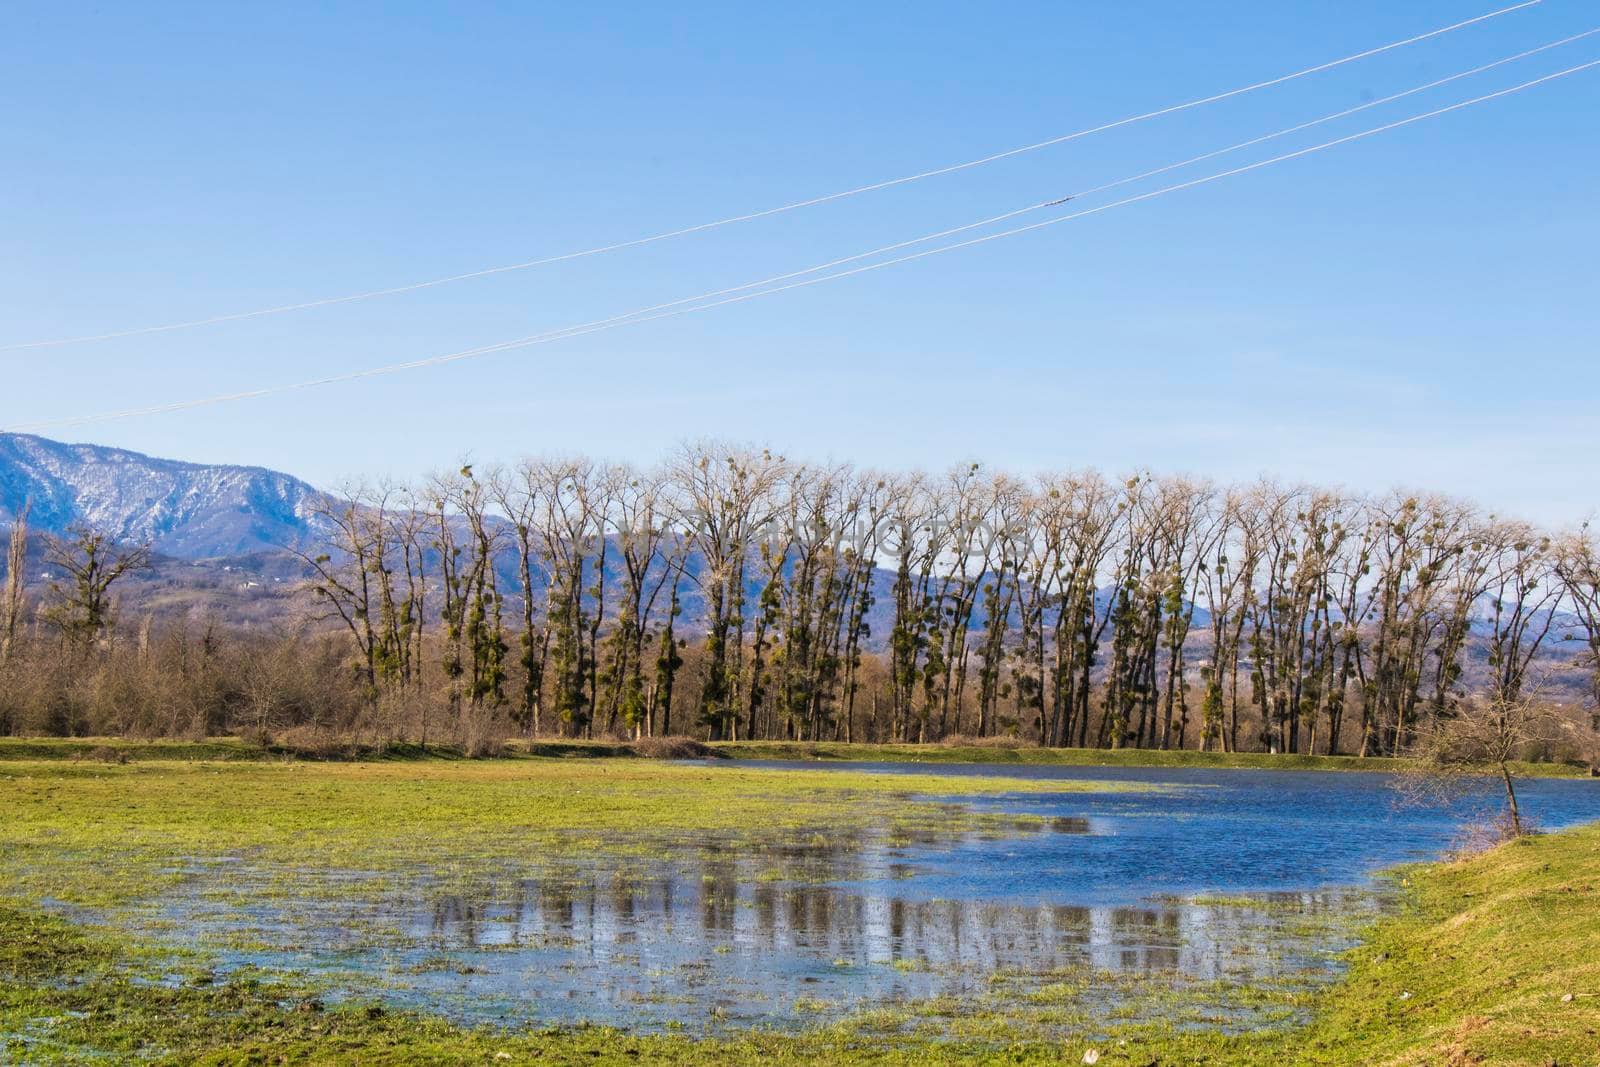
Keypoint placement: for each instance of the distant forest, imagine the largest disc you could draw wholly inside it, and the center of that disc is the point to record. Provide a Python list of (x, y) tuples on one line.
[(732, 594)]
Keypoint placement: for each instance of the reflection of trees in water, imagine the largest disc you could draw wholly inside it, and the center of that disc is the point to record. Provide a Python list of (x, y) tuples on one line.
[(734, 937), (796, 907)]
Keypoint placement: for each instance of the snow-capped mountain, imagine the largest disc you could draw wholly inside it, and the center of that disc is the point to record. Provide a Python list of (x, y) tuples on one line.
[(185, 510)]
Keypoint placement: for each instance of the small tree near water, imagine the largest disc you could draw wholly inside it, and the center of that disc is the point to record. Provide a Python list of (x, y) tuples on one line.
[(1485, 738)]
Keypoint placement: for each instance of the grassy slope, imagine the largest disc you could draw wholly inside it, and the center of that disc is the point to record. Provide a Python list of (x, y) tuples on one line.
[(1494, 945), (1474, 972), (230, 748)]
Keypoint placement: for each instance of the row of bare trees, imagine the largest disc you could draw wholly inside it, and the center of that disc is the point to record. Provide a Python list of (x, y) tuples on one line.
[(738, 594)]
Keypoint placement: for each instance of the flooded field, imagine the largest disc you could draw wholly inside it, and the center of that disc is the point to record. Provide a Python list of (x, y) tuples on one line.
[(1171, 893)]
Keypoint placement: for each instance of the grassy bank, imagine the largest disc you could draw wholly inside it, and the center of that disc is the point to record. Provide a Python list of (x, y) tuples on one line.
[(239, 749), (1496, 959), (1087, 757)]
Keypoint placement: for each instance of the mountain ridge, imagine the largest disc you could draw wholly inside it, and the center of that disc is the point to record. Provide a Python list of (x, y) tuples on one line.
[(185, 510)]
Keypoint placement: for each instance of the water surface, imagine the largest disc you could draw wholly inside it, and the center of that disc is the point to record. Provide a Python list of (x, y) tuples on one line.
[(1213, 830), (1223, 877)]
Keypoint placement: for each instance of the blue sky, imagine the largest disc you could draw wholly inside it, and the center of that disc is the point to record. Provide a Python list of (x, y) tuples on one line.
[(1419, 308)]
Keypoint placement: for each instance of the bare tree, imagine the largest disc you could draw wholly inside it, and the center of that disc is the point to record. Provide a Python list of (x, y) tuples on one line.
[(570, 528), (1486, 737), (919, 533), (92, 563), (1577, 565), (867, 514), (1096, 513), (640, 529), (727, 498), (1523, 591), (347, 571), (11, 598)]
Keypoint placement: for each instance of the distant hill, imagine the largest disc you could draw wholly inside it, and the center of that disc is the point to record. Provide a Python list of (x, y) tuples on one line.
[(187, 511)]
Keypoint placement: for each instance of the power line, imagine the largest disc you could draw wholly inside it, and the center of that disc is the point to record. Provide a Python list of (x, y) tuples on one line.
[(1080, 194), (582, 329), (795, 206), (1150, 195)]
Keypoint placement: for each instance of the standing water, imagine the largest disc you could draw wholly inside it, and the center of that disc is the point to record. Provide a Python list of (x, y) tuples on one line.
[(1224, 877)]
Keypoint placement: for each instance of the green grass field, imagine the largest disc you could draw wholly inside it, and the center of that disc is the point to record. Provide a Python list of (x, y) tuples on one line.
[(1494, 959)]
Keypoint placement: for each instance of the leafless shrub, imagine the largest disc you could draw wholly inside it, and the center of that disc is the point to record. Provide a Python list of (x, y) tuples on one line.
[(258, 737), (313, 742), (968, 741), (1484, 834), (484, 740), (671, 748)]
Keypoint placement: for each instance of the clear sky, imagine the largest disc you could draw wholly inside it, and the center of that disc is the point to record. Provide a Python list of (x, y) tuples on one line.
[(1418, 308)]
